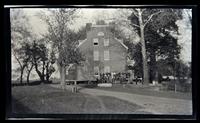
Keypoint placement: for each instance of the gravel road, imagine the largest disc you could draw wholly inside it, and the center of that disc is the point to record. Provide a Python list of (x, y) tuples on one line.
[(155, 105)]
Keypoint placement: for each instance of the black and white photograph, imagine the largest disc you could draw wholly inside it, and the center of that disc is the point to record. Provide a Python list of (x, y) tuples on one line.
[(134, 60)]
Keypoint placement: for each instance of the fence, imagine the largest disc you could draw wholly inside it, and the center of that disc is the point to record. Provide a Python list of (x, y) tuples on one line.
[(176, 86)]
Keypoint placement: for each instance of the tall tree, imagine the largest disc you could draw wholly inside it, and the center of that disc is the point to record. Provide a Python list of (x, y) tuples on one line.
[(70, 54), (19, 56), (139, 19), (38, 56), (26, 48), (49, 65), (148, 22), (20, 33), (62, 38), (161, 39)]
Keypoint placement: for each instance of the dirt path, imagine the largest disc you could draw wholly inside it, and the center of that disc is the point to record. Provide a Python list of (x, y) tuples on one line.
[(155, 105), (103, 109), (91, 107)]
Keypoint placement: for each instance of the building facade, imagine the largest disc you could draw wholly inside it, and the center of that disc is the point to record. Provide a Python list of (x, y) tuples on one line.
[(102, 51)]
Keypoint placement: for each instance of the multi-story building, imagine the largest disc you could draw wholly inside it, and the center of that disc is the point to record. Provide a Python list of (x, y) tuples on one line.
[(102, 51)]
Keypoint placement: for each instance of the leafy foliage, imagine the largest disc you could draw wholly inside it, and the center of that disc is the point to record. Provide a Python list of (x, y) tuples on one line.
[(63, 39), (20, 33), (136, 54), (160, 30), (38, 55)]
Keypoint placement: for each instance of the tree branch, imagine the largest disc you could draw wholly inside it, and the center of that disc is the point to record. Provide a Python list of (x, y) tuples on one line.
[(135, 25), (135, 13), (14, 53), (47, 20), (151, 17), (127, 23), (142, 10)]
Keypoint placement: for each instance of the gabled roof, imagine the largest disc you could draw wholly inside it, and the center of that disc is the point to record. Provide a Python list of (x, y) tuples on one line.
[(81, 42), (121, 42)]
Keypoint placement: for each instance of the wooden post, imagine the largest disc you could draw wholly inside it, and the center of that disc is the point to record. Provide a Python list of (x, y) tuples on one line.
[(75, 82), (175, 87), (75, 87)]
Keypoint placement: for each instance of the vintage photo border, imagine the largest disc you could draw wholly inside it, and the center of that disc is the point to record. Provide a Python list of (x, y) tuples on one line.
[(7, 71)]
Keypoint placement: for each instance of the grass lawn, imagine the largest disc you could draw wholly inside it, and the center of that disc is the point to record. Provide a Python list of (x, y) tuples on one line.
[(145, 91), (46, 99)]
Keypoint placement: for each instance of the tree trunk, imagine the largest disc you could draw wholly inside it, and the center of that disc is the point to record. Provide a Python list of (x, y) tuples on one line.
[(144, 58), (153, 68), (178, 71), (62, 76), (47, 72), (39, 73), (21, 74), (43, 70), (21, 67), (28, 74), (156, 76), (60, 73)]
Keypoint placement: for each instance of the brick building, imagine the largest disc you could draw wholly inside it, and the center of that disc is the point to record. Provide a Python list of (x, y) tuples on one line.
[(103, 53)]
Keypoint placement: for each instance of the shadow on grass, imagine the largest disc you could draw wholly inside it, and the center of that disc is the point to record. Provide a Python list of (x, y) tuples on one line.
[(19, 108), (88, 85), (31, 83)]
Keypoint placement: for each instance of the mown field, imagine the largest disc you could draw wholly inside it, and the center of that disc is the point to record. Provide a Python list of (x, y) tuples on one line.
[(44, 99)]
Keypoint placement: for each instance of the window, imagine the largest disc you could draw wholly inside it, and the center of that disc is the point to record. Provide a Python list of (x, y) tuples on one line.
[(106, 55), (95, 41), (106, 42), (96, 55), (107, 69), (100, 34), (96, 70)]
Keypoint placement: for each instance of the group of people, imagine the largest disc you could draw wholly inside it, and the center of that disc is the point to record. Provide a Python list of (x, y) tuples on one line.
[(112, 77)]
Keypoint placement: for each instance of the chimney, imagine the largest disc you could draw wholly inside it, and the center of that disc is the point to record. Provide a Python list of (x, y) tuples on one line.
[(88, 26)]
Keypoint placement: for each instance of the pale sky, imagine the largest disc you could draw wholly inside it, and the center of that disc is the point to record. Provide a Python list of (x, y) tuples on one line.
[(90, 15), (185, 38), (86, 16)]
